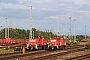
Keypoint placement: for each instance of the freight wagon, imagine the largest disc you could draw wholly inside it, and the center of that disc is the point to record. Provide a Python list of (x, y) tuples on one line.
[(9, 41)]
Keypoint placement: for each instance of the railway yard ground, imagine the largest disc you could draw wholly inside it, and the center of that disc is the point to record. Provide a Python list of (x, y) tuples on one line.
[(73, 55), (10, 48), (48, 55)]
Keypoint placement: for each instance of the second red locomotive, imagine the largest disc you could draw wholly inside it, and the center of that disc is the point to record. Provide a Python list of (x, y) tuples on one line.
[(56, 42)]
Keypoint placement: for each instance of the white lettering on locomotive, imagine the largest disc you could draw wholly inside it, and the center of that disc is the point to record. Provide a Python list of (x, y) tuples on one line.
[(53, 40)]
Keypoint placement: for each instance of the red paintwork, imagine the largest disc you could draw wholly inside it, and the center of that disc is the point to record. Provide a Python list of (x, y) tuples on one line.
[(2, 41), (84, 40), (8, 41), (38, 40), (21, 41), (5, 41), (57, 41)]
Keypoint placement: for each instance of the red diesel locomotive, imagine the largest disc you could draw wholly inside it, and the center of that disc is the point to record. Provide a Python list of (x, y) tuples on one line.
[(38, 42), (57, 42)]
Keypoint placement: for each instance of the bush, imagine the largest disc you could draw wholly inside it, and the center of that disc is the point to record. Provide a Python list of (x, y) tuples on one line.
[(87, 46), (71, 43)]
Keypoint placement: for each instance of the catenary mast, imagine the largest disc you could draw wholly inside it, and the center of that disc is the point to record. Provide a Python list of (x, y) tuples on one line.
[(59, 33), (30, 34)]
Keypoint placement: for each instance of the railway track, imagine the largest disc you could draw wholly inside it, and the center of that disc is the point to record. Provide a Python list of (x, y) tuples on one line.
[(69, 47), (13, 46), (7, 57), (80, 57), (38, 55), (10, 54), (53, 56)]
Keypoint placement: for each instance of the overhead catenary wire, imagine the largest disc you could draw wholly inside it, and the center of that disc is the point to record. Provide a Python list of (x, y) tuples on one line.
[(11, 16), (7, 21)]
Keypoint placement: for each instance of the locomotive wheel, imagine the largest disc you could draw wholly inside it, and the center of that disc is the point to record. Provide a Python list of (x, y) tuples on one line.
[(43, 47), (62, 47), (52, 47), (46, 46), (55, 48), (32, 48)]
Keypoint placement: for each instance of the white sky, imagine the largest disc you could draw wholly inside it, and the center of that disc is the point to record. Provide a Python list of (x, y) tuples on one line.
[(45, 14)]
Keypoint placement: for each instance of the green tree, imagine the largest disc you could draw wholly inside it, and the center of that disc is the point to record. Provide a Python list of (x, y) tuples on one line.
[(22, 33)]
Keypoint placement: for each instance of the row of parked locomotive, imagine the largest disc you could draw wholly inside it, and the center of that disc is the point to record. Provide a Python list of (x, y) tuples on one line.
[(40, 42)]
